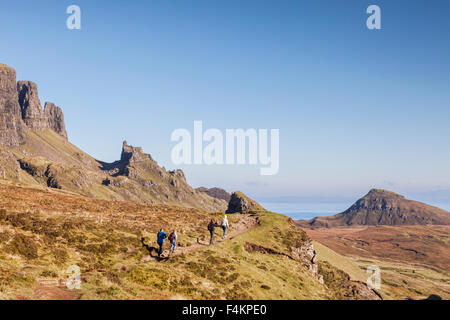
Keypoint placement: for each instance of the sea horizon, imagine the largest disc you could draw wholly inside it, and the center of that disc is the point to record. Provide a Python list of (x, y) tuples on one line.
[(305, 210), (310, 210)]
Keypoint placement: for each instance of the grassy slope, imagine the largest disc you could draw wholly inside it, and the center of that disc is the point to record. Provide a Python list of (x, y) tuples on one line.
[(43, 232), (341, 262), (78, 172), (404, 274), (402, 280), (52, 146)]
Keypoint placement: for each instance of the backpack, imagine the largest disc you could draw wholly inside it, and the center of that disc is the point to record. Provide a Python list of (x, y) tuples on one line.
[(171, 237)]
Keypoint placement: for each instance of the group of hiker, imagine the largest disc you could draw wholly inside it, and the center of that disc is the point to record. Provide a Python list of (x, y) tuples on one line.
[(212, 225), (162, 236)]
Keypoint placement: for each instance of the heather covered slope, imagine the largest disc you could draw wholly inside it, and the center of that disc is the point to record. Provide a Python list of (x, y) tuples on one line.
[(48, 159), (382, 207), (45, 231), (414, 260)]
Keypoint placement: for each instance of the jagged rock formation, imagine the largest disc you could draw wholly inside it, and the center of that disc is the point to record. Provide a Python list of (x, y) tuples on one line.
[(30, 105), (217, 193), (42, 155), (12, 127), (133, 154), (382, 207), (240, 203), (36, 118), (55, 118), (20, 109), (141, 175)]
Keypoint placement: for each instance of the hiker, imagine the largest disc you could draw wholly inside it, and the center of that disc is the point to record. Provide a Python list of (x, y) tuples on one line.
[(224, 224), (160, 239), (211, 226), (173, 241)]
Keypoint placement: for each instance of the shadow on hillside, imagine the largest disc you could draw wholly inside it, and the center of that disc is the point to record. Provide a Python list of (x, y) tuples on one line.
[(153, 252)]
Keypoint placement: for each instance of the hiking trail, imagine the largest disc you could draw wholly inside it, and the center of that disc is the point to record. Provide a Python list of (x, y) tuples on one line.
[(245, 223)]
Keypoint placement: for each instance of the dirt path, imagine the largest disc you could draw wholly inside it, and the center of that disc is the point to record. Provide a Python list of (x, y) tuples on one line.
[(246, 223), (54, 292)]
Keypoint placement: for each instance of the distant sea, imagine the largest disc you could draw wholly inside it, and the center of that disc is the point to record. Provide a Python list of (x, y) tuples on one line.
[(305, 210), (309, 210)]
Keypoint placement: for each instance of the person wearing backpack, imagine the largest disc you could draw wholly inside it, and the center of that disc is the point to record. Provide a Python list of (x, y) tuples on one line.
[(211, 226), (173, 241), (160, 240), (224, 224)]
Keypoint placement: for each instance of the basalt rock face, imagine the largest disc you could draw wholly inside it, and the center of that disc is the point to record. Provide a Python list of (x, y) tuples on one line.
[(55, 119), (382, 207), (12, 127), (240, 203), (36, 118), (30, 105), (20, 110)]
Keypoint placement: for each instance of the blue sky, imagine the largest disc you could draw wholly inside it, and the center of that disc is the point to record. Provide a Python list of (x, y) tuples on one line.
[(356, 108)]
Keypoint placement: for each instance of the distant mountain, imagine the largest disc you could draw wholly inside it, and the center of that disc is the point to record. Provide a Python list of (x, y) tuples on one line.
[(382, 207), (35, 150), (217, 193)]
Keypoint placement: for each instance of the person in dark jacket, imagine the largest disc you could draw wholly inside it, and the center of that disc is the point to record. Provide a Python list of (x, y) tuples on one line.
[(211, 226), (160, 240)]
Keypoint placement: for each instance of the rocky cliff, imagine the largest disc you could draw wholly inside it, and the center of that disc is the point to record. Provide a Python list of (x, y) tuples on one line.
[(240, 203), (55, 118), (36, 118), (382, 207), (21, 110), (12, 127), (138, 174)]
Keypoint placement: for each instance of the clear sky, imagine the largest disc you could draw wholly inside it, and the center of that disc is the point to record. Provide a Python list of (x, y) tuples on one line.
[(356, 108)]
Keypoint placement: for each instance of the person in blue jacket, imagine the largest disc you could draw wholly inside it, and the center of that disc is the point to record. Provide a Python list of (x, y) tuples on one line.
[(160, 239)]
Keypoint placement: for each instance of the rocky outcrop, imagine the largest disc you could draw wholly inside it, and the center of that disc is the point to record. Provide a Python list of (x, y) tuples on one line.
[(304, 254), (136, 176), (30, 105), (240, 203), (133, 154), (20, 109), (55, 118), (36, 118), (330, 276), (178, 173), (382, 207), (307, 252), (217, 193), (12, 127)]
